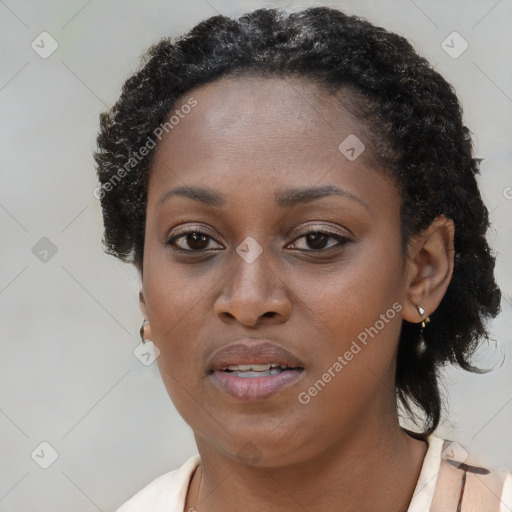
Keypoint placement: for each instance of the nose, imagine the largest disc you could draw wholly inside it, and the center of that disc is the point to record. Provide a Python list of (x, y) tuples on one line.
[(252, 294)]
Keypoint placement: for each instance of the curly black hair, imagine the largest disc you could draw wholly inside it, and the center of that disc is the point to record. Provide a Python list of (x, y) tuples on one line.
[(418, 137)]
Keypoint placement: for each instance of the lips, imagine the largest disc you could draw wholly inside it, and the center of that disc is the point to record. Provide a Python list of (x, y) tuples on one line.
[(253, 370), (252, 352)]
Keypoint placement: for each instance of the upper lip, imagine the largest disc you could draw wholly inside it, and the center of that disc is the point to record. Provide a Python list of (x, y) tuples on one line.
[(251, 351)]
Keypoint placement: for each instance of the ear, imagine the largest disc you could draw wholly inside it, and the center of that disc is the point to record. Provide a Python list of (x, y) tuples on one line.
[(143, 309), (429, 268)]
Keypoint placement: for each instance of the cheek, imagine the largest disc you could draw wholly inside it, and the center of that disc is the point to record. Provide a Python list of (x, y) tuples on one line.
[(175, 325), (175, 304), (352, 297), (358, 324), (357, 315), (174, 294)]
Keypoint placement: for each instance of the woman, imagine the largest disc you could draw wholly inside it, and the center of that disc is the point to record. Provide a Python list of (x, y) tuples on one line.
[(298, 193)]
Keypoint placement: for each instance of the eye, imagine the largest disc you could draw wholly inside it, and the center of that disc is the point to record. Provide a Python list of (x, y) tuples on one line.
[(194, 239), (317, 239)]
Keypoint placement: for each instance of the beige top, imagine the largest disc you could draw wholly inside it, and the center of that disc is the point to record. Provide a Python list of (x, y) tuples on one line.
[(449, 481)]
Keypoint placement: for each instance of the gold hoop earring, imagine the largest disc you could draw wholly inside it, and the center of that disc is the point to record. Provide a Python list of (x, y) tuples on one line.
[(141, 331)]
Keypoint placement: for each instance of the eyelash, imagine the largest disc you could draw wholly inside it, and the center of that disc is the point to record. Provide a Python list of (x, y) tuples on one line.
[(342, 240)]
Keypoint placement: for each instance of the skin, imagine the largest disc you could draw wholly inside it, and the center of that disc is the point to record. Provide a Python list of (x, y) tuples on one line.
[(249, 138)]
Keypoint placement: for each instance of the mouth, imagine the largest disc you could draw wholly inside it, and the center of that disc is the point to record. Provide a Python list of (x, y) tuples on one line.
[(254, 369)]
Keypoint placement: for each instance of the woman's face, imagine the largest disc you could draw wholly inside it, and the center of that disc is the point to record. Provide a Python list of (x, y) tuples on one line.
[(265, 158)]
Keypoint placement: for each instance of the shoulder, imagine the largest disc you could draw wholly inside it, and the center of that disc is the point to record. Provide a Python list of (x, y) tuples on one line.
[(491, 491), (165, 493), (466, 483)]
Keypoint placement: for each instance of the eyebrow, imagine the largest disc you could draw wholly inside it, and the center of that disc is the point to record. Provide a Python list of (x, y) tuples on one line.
[(284, 199)]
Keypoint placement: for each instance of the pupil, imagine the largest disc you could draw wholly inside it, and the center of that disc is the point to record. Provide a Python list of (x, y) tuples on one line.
[(197, 241), (315, 238)]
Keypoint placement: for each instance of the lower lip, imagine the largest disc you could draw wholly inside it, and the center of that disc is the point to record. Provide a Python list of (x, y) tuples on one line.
[(255, 388)]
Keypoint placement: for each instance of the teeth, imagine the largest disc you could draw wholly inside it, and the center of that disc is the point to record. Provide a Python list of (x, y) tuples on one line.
[(249, 374), (254, 367)]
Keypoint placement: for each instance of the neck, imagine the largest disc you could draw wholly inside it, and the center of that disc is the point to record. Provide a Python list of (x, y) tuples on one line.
[(375, 468)]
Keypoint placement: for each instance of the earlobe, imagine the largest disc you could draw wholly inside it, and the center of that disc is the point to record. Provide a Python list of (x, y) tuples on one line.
[(429, 268)]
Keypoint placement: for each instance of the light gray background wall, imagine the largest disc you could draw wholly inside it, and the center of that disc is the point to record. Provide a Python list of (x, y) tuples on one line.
[(69, 325)]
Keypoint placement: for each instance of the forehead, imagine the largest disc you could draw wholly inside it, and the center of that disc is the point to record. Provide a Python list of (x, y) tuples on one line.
[(261, 131), (263, 113)]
